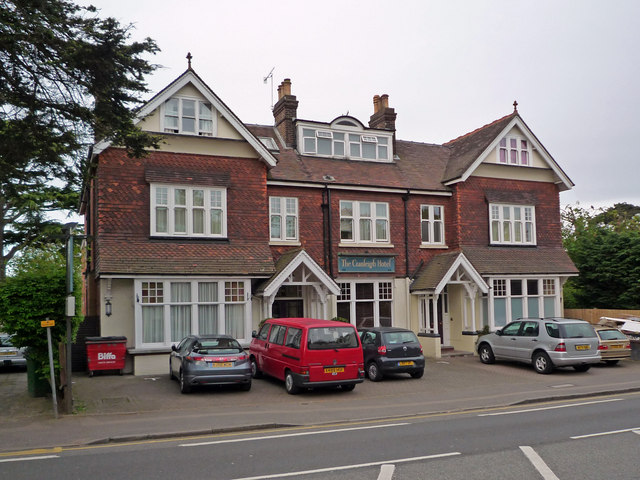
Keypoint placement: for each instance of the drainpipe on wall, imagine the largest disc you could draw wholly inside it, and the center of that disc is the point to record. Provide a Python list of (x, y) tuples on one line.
[(405, 199), (328, 235)]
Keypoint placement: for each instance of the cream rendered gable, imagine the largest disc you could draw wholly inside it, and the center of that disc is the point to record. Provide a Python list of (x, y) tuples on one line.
[(543, 167)]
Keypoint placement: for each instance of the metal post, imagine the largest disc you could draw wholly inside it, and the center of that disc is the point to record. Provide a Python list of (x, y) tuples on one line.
[(68, 393), (52, 374)]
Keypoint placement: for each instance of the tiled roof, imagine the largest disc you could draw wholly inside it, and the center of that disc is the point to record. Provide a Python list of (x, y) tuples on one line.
[(416, 166), (119, 255), (431, 274), (467, 148), (515, 261)]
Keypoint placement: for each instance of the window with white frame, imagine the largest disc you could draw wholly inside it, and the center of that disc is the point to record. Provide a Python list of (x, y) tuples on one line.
[(432, 224), (523, 298), (169, 310), (189, 116), (366, 304), (283, 218), (349, 144), (514, 151), (512, 224), (188, 211), (364, 222)]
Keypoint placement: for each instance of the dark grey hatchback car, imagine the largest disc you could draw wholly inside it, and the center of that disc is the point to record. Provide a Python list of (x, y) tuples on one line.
[(209, 360), (388, 350)]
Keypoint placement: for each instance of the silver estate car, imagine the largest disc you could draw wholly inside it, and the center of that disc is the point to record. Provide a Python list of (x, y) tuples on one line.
[(9, 354), (545, 343)]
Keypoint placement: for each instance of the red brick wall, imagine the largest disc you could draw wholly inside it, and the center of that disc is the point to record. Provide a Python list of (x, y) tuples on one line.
[(472, 209), (124, 194)]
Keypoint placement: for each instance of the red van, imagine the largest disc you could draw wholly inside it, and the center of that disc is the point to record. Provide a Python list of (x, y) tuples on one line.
[(306, 353)]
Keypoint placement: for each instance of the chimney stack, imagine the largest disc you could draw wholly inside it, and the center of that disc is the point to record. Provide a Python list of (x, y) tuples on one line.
[(285, 111), (383, 117)]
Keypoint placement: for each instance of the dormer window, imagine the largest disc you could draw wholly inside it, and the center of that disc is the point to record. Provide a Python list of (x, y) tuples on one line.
[(188, 116), (514, 151), (341, 144)]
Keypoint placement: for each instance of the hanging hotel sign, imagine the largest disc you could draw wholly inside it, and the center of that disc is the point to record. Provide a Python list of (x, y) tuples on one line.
[(366, 264)]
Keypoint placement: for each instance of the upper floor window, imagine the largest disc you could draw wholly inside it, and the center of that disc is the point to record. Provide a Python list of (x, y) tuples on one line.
[(364, 222), (188, 116), (432, 224), (514, 151), (512, 224), (283, 218), (349, 144), (188, 211)]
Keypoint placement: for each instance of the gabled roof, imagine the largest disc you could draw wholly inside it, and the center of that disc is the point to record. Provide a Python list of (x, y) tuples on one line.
[(287, 264), (434, 276), (191, 77), (470, 150)]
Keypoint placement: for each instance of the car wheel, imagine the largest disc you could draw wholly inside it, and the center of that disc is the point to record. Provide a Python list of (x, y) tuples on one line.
[(184, 386), (417, 374), (542, 363), (581, 368), (611, 362), (255, 371), (348, 387), (289, 384), (245, 387), (171, 377), (373, 372), (486, 354)]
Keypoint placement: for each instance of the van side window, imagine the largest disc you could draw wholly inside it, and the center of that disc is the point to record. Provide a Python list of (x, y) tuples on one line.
[(264, 331), (277, 334), (293, 337)]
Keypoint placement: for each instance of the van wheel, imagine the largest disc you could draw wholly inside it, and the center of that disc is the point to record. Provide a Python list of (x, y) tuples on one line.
[(348, 388), (542, 363), (374, 373), (289, 385), (184, 386), (255, 371)]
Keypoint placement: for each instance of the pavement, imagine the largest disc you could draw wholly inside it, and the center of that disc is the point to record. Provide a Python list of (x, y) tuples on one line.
[(114, 408)]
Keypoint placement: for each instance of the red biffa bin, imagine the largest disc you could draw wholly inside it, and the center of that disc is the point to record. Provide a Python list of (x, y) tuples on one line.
[(106, 353)]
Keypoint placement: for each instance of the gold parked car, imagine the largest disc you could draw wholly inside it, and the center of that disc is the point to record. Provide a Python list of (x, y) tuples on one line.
[(614, 345)]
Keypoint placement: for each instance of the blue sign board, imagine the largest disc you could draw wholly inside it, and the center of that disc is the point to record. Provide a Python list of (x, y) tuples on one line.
[(366, 264)]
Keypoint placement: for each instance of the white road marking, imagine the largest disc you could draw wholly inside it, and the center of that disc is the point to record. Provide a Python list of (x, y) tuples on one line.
[(549, 408), (386, 472), (285, 435), (538, 463), (350, 467), (24, 459), (612, 432)]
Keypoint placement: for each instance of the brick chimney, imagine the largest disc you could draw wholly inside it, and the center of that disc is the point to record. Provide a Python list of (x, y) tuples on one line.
[(383, 117), (285, 111)]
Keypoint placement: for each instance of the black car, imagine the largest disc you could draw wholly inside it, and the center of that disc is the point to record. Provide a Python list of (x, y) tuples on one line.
[(391, 350), (209, 360)]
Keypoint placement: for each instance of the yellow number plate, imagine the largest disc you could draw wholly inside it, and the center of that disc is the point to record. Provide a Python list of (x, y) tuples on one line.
[(224, 364), (405, 364), (616, 346), (334, 370), (583, 347), (7, 353)]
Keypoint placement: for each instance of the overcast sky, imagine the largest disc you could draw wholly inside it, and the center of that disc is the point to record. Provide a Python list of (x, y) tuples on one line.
[(448, 67)]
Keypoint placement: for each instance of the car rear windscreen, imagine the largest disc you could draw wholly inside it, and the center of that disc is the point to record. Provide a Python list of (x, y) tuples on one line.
[(395, 338), (325, 338)]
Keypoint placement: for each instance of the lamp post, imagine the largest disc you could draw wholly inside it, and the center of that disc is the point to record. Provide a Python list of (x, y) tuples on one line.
[(70, 313)]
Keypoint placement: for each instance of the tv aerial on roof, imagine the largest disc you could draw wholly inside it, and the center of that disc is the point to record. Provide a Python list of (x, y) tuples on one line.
[(264, 80)]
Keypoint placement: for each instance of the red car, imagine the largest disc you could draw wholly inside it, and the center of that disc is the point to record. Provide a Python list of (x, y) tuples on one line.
[(307, 353)]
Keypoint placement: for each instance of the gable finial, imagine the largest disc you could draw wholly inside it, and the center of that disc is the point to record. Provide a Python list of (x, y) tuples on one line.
[(515, 106), (189, 57)]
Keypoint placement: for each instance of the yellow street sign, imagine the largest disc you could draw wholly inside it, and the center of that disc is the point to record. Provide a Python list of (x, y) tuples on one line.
[(47, 323)]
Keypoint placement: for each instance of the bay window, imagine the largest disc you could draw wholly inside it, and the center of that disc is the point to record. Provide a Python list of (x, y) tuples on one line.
[(366, 304), (515, 298), (168, 310)]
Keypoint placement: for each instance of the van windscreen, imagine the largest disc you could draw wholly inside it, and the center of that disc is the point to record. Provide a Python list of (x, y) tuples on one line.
[(325, 338)]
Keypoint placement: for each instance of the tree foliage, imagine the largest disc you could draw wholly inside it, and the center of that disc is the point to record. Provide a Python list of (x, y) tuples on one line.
[(36, 292), (604, 244), (67, 78)]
